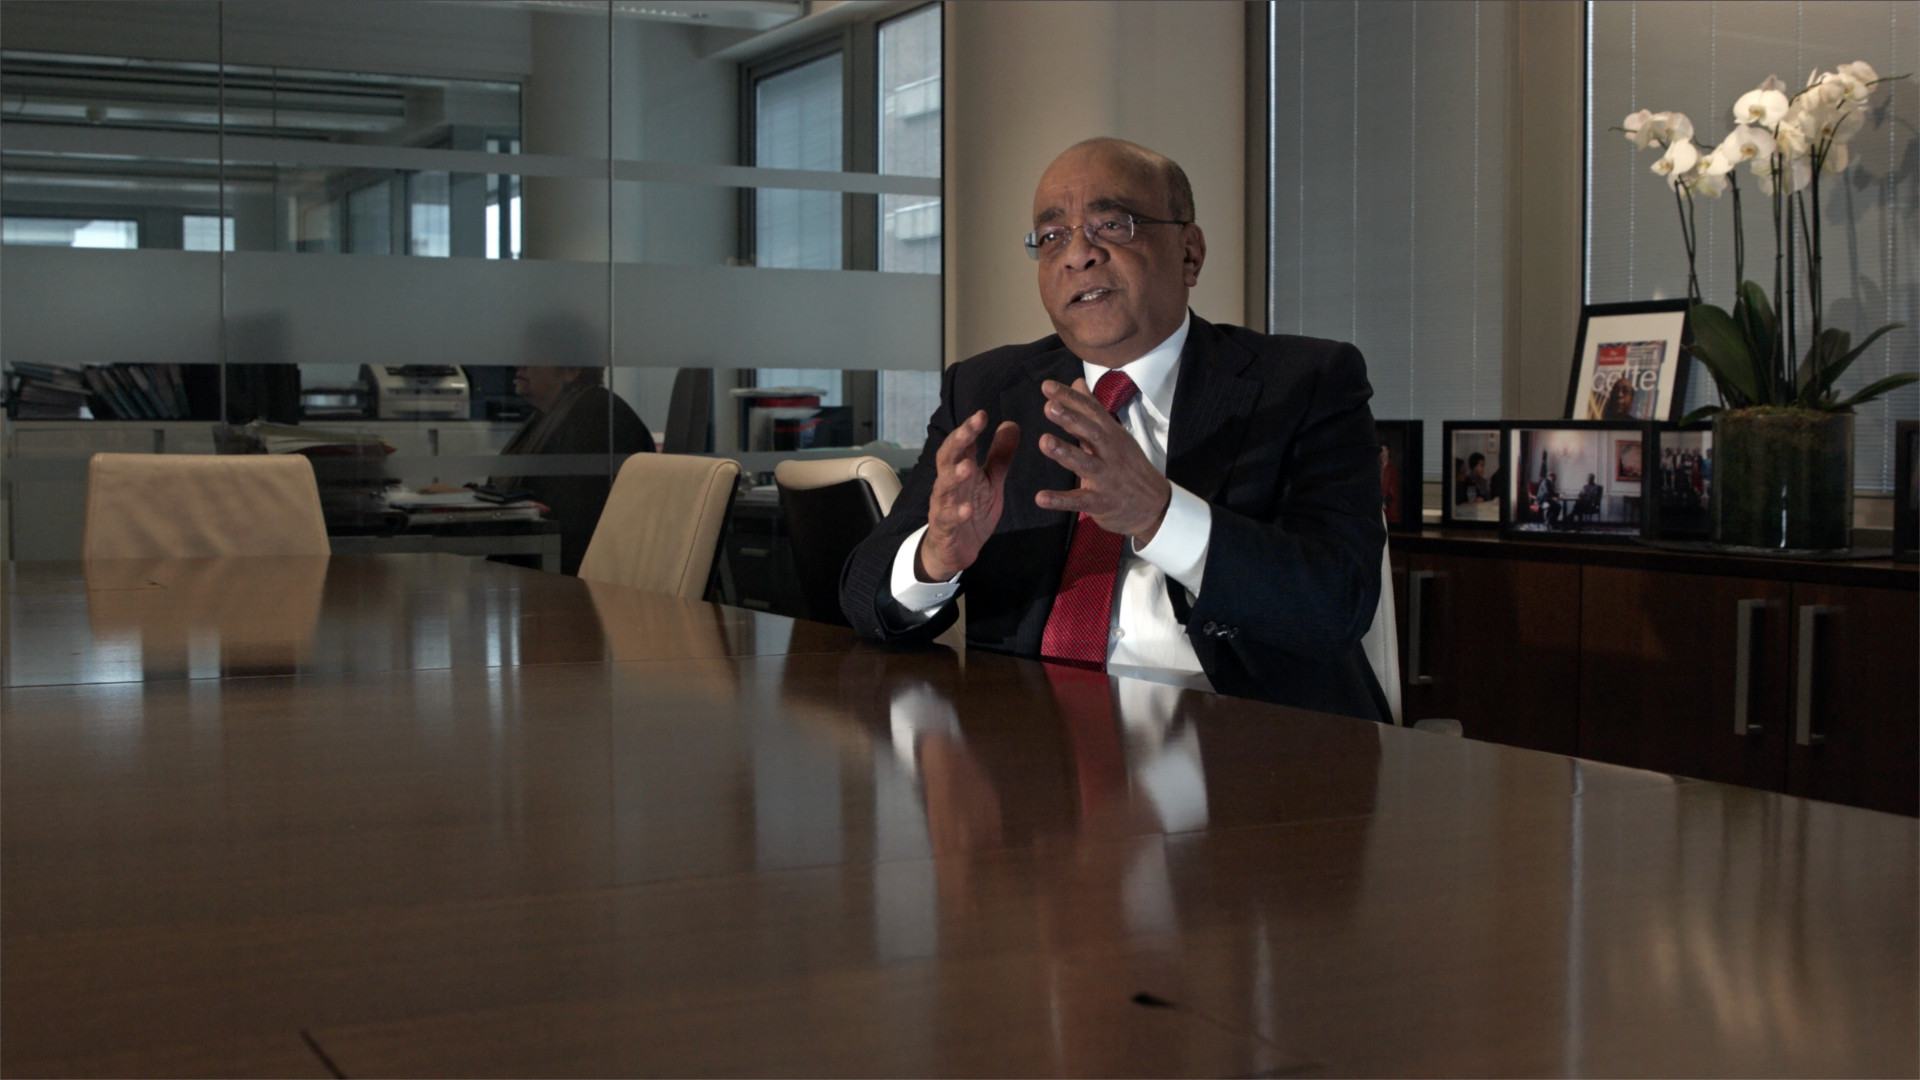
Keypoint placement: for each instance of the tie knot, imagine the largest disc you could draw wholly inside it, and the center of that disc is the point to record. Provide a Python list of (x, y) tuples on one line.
[(1114, 390)]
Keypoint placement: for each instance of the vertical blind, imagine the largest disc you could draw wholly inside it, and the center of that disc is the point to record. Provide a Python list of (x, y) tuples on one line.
[(1697, 57), (1388, 182)]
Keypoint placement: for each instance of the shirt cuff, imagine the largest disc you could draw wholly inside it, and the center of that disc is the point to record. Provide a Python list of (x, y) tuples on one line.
[(1179, 548), (909, 591)]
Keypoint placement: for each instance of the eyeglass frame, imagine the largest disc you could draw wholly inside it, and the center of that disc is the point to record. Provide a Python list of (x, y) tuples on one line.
[(1032, 240)]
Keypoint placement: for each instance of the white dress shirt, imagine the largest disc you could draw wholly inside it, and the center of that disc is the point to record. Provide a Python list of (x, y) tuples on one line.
[(1144, 631)]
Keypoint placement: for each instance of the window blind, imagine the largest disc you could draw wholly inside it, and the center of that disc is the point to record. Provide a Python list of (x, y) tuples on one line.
[(1388, 182)]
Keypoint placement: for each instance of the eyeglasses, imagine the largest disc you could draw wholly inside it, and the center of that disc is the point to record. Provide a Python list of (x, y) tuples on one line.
[(1108, 230)]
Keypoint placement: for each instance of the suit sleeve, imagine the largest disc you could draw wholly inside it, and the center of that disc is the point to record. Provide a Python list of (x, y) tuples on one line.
[(1305, 579), (866, 591)]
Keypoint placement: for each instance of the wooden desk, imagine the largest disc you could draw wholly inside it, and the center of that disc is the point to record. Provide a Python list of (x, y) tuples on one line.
[(451, 817)]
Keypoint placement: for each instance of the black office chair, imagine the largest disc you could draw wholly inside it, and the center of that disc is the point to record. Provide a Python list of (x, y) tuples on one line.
[(690, 413), (830, 506)]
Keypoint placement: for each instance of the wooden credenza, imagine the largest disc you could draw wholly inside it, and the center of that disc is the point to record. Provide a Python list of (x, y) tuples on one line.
[(1793, 676)]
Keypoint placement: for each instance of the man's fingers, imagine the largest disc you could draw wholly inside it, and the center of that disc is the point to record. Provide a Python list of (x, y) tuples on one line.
[(1078, 501), (959, 442), (1073, 457), (1006, 439), (1076, 411)]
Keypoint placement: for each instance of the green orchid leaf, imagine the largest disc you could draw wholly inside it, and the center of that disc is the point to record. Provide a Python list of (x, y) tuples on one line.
[(1718, 343), (1761, 330), (1840, 366), (1816, 373), (1875, 389), (1699, 414)]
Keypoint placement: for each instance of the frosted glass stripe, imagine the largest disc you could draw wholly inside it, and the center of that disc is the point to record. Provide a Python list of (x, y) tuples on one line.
[(195, 146)]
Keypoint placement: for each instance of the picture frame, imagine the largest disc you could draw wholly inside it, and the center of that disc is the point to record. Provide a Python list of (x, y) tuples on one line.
[(1470, 497), (1543, 496), (1680, 473), (1906, 490), (1630, 362), (1402, 479)]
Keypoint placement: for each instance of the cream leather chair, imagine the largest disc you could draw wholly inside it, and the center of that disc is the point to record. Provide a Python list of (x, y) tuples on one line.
[(830, 506), (1381, 642), (143, 506), (661, 526)]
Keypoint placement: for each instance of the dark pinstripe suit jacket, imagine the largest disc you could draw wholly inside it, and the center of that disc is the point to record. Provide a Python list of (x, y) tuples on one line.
[(1273, 431)]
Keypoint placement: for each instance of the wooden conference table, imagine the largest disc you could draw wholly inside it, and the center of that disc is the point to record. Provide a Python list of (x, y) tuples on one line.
[(419, 814)]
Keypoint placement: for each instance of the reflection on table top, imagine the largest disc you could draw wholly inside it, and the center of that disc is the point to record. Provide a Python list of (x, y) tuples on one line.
[(132, 620), (857, 861)]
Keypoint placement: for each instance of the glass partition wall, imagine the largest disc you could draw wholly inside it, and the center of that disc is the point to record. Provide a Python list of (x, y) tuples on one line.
[(364, 218)]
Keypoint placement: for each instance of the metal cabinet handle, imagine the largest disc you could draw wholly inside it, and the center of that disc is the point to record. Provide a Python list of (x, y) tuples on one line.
[(1416, 626), (1743, 634), (1803, 733)]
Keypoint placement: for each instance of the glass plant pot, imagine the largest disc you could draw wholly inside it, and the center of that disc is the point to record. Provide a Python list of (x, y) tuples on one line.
[(1783, 480)]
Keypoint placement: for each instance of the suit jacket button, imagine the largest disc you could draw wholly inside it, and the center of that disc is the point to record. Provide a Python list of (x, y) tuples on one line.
[(1210, 628)]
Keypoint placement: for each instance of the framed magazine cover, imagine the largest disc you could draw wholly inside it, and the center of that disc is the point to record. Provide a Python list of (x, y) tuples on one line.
[(1679, 471), (1401, 475), (1563, 480), (1630, 363), (1906, 489), (1471, 498)]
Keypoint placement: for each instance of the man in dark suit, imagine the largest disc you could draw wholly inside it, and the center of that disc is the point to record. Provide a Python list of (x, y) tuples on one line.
[(1210, 505)]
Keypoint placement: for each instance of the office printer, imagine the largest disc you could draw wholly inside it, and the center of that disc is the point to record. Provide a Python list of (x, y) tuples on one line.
[(417, 391)]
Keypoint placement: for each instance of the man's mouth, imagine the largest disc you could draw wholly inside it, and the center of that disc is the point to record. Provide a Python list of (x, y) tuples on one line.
[(1090, 296)]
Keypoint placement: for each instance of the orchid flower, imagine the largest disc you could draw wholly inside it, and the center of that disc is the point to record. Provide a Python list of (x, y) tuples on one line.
[(1657, 128), (1677, 162), (1743, 144), (1763, 106)]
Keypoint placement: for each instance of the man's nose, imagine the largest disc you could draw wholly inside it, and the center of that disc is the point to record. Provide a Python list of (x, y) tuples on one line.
[(1082, 253)]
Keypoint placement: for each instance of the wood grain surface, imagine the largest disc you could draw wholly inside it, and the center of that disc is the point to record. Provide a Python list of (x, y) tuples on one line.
[(736, 859)]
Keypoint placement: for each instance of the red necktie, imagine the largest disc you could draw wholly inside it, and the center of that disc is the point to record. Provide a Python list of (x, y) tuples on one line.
[(1083, 608)]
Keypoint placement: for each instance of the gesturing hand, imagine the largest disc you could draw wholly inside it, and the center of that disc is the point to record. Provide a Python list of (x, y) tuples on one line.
[(966, 501), (1119, 488)]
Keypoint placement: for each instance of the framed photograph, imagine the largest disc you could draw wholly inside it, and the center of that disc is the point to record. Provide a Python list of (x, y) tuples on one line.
[(1680, 465), (1472, 496), (1906, 490), (1567, 480), (1401, 477), (1629, 364)]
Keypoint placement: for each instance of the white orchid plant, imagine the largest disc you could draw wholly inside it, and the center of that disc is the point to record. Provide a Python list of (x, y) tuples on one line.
[(1788, 143)]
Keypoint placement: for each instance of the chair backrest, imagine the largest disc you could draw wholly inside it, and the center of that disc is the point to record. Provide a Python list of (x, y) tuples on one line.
[(830, 506), (689, 413), (662, 524), (1381, 642), (142, 506)]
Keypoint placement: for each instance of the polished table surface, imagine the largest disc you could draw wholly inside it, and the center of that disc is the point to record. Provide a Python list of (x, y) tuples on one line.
[(403, 815)]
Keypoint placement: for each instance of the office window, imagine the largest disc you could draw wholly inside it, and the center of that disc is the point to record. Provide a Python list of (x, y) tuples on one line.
[(1388, 170), (503, 230), (206, 232), (797, 125), (1698, 59), (429, 216), (370, 219), (910, 225), (71, 232), (909, 125)]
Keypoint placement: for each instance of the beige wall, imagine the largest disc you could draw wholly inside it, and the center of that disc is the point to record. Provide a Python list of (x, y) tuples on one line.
[(1027, 79), (1546, 120)]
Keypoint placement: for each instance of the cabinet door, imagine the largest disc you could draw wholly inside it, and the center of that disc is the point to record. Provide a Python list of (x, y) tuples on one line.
[(1662, 681), (1495, 644), (1856, 714)]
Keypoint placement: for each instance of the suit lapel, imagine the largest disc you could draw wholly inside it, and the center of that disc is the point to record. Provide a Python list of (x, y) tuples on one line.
[(1025, 405), (1210, 409)]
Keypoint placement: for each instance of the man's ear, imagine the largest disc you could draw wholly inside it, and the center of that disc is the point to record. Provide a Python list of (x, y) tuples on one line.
[(1193, 253)]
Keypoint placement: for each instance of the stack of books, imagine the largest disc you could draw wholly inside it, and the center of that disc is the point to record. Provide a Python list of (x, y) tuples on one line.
[(462, 508), (45, 392), (137, 392)]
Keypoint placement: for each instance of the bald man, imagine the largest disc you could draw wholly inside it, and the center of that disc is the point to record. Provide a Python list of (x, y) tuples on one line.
[(1142, 489)]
